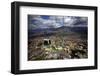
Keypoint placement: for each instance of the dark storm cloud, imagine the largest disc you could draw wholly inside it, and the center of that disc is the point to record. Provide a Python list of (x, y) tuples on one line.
[(42, 21)]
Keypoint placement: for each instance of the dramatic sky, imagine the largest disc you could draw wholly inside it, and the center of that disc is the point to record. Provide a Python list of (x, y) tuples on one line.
[(46, 21)]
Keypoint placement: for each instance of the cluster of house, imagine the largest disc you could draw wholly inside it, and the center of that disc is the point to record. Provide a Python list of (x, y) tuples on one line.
[(57, 48)]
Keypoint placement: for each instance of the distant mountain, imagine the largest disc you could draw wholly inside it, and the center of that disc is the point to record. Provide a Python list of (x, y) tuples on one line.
[(60, 30), (64, 29), (79, 30)]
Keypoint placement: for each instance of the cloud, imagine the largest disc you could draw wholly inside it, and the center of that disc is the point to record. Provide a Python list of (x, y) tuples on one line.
[(38, 21)]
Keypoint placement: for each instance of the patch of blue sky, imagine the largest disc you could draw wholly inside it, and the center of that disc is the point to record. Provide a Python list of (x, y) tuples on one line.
[(45, 17)]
